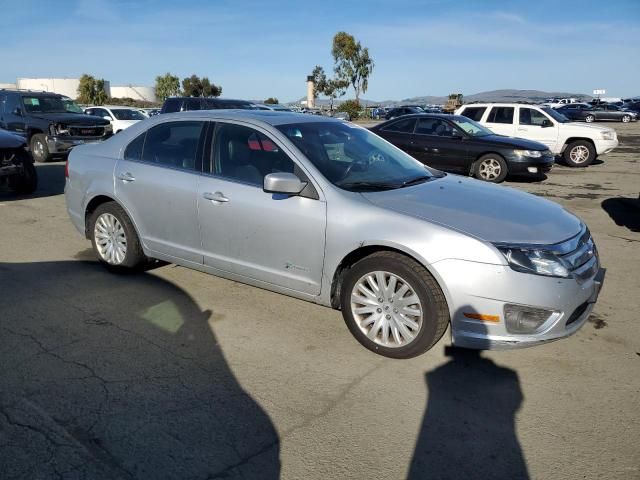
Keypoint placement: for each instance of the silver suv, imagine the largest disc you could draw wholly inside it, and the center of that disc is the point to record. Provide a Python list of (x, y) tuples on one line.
[(328, 212)]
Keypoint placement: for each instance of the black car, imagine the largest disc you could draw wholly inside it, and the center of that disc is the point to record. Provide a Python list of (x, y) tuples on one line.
[(45, 121), (399, 111), (181, 104), (589, 113), (16, 167), (457, 144)]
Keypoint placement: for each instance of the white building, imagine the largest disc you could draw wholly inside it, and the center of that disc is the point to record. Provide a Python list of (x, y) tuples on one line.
[(69, 87)]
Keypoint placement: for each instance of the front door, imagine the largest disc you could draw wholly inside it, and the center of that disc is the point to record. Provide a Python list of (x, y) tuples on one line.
[(531, 125), (277, 239), (157, 180)]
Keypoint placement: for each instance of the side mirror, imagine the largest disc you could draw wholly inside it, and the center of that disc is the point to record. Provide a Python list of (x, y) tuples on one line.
[(283, 182), (17, 111), (546, 123)]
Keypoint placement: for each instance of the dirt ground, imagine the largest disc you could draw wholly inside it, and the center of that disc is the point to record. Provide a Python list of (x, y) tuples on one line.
[(176, 374)]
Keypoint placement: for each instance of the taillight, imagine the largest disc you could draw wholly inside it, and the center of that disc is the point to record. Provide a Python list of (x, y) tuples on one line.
[(66, 169)]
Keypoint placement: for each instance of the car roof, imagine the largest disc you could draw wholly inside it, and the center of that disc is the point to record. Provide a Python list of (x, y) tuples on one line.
[(502, 104), (269, 117)]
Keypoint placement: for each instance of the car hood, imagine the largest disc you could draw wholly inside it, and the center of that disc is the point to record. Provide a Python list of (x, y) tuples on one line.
[(71, 118), (519, 143), (489, 212), (583, 126)]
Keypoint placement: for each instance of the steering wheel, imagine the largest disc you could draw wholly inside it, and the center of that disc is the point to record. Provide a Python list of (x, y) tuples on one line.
[(363, 165)]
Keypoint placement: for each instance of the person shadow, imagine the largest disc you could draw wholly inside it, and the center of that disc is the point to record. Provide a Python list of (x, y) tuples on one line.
[(129, 367), (468, 429)]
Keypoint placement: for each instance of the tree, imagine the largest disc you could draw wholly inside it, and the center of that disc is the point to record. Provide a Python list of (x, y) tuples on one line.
[(271, 101), (335, 88), (92, 91), (167, 85), (352, 62), (193, 86), (319, 80)]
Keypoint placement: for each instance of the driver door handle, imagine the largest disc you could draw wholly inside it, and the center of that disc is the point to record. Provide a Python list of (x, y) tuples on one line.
[(215, 197), (126, 177)]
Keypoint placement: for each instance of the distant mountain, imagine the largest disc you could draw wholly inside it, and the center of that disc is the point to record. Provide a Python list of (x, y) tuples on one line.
[(491, 96)]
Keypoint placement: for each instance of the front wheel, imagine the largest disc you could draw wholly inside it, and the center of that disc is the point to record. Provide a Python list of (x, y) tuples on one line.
[(393, 306), (626, 119), (39, 148), (589, 118), (114, 238), (491, 168), (579, 154)]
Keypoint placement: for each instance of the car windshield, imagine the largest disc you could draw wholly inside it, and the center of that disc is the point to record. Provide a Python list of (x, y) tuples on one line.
[(127, 114), (44, 105), (470, 127), (557, 116), (354, 159), (71, 106)]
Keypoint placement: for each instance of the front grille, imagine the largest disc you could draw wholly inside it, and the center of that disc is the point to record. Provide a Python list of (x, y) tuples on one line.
[(580, 255), (86, 131)]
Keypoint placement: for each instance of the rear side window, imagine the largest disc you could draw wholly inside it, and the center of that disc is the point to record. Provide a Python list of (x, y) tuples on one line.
[(401, 126), (171, 105), (173, 144), (134, 149), (530, 116), (474, 113), (434, 126), (192, 104), (500, 115)]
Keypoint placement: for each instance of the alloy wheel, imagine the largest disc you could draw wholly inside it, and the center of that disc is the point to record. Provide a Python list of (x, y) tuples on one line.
[(589, 119), (386, 309), (38, 149), (489, 169), (579, 154), (626, 118), (110, 239)]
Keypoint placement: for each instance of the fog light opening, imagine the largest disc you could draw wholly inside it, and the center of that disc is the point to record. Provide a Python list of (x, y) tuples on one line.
[(532, 169), (525, 319)]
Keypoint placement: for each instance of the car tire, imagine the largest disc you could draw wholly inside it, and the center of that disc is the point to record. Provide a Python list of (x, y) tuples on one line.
[(400, 333), (589, 118), (626, 119), (490, 168), (27, 182), (579, 154), (111, 227), (39, 148)]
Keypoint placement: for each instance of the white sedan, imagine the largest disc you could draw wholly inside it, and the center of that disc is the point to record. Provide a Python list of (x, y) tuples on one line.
[(120, 117)]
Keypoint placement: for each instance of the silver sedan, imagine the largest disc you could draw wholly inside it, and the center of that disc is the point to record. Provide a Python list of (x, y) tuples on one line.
[(328, 212)]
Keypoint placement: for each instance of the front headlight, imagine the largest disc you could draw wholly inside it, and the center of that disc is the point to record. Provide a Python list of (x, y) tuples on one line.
[(58, 129), (608, 135), (528, 153), (108, 128), (538, 262)]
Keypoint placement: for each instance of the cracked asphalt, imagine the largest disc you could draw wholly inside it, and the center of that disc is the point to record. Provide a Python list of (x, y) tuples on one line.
[(174, 374)]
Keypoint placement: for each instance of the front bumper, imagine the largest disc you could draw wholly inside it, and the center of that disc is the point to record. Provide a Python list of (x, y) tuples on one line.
[(523, 165), (605, 146), (482, 290), (58, 144)]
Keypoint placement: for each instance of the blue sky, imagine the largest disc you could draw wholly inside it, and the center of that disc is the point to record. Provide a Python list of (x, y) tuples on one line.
[(257, 49)]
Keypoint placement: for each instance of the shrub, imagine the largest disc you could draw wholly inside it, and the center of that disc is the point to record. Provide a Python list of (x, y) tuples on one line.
[(351, 107)]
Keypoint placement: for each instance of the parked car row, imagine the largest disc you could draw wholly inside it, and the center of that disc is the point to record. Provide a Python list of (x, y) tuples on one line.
[(590, 113)]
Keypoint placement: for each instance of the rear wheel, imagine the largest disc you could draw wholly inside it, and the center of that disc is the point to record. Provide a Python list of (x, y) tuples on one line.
[(579, 154), (28, 181), (393, 306), (114, 238), (589, 118), (491, 168), (39, 148)]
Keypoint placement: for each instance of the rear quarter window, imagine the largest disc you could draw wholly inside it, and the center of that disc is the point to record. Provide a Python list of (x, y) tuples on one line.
[(474, 113), (134, 149), (401, 126), (171, 105)]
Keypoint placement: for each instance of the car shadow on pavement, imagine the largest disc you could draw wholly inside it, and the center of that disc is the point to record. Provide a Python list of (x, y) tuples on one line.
[(468, 429), (50, 182), (625, 212), (125, 376)]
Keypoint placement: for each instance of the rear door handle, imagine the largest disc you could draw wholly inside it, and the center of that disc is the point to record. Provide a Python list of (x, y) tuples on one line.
[(215, 197), (126, 177)]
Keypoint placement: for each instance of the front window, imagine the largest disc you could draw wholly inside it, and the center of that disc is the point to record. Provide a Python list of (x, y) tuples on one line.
[(127, 114), (355, 159), (71, 106), (470, 127), (530, 116), (44, 105)]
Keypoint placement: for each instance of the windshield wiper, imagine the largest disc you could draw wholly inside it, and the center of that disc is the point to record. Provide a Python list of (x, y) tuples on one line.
[(417, 180), (370, 185)]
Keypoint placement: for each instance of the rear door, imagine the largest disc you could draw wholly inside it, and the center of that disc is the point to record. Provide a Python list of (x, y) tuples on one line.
[(400, 133), (272, 238), (157, 181), (438, 143), (501, 120), (532, 126)]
